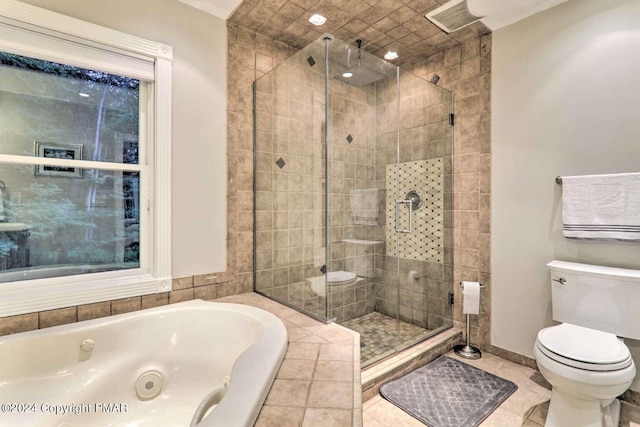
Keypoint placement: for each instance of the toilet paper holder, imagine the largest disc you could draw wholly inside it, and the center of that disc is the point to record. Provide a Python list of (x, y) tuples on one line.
[(467, 350), (462, 285)]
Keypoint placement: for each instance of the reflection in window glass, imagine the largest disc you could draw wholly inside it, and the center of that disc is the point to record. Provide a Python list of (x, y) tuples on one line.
[(61, 219), (62, 104)]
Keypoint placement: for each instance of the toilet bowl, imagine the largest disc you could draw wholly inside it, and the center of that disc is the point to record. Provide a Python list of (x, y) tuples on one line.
[(583, 359), (334, 278), (587, 369)]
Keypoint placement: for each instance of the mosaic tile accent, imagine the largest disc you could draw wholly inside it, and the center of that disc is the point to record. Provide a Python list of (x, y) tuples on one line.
[(379, 335), (426, 241)]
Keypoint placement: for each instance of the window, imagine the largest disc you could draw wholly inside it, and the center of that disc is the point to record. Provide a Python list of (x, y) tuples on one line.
[(84, 162)]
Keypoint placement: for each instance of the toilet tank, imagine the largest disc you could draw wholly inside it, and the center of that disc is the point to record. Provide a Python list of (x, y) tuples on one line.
[(596, 297)]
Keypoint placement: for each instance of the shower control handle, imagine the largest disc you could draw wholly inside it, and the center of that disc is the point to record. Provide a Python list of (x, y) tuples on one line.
[(409, 206)]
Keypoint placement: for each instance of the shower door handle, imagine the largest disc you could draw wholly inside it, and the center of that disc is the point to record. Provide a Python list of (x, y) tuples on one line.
[(408, 203)]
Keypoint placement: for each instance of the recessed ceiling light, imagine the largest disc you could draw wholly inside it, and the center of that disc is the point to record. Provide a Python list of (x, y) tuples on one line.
[(347, 74), (317, 19), (390, 55), (84, 95)]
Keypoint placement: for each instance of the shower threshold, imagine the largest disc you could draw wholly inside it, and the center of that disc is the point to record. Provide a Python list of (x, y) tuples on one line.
[(380, 335), (409, 359)]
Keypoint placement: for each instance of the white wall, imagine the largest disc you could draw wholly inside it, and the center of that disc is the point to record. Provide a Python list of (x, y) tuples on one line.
[(565, 89), (199, 173)]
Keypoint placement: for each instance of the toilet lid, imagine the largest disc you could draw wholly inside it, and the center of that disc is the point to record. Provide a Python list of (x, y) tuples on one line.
[(585, 345)]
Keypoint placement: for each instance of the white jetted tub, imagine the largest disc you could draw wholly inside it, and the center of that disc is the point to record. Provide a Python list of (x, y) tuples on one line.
[(148, 368)]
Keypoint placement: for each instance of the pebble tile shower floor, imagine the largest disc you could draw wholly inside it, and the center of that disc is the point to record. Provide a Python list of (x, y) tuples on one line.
[(378, 335)]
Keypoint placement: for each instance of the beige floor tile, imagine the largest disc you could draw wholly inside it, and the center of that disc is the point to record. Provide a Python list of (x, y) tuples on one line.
[(279, 416), (522, 402), (336, 352), (296, 369), (539, 414), (503, 418), (336, 334), (331, 370), (296, 334), (316, 417), (369, 403), (629, 415), (369, 421), (302, 320), (392, 416), (325, 394), (288, 393), (313, 339), (308, 351)]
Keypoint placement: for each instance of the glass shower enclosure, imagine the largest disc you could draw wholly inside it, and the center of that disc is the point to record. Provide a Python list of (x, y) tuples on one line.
[(353, 188)]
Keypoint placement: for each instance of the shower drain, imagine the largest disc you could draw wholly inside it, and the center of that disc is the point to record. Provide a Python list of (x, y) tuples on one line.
[(149, 385)]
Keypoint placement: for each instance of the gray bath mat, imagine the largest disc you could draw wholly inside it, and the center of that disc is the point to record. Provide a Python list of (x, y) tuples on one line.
[(448, 393)]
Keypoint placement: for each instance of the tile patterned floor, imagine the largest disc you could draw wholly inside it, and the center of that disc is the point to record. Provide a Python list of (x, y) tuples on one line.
[(378, 334), (526, 407), (318, 383)]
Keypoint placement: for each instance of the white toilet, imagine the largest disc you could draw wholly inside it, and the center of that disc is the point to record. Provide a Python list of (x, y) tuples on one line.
[(583, 359), (335, 279)]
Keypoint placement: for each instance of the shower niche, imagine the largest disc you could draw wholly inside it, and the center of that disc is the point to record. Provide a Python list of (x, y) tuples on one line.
[(353, 195)]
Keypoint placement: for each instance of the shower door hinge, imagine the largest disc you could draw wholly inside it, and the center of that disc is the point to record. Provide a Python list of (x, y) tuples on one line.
[(450, 298), (451, 119)]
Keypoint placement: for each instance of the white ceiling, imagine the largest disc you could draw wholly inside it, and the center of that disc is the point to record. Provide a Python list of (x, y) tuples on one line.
[(496, 13), (500, 13), (220, 8)]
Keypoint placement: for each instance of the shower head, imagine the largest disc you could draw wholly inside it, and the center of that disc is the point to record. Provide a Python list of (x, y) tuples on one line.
[(434, 79), (359, 44)]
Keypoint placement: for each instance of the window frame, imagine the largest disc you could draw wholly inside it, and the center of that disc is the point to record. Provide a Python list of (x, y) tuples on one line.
[(154, 274)]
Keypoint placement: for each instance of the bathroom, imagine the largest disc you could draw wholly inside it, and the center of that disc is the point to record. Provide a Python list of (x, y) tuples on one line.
[(545, 96)]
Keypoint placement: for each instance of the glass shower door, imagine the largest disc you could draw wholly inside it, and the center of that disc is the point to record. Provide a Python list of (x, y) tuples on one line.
[(353, 195), (423, 203), (289, 182)]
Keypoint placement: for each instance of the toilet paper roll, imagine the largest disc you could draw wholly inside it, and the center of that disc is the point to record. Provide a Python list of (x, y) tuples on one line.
[(470, 297)]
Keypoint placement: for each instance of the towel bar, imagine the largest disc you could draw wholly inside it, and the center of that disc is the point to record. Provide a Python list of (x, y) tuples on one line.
[(559, 180)]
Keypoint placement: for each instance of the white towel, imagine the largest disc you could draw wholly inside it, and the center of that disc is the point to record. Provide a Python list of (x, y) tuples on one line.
[(601, 206), (364, 206)]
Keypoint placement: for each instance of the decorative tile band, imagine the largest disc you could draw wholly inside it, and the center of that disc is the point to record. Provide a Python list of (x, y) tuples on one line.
[(426, 240)]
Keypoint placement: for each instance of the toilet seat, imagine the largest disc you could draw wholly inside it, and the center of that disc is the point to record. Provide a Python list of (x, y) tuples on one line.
[(336, 278), (584, 348)]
